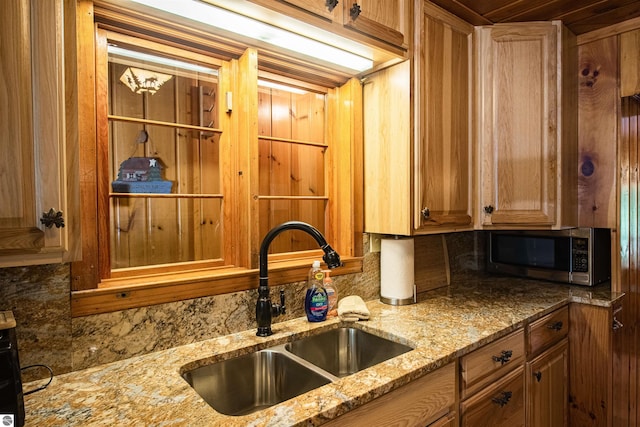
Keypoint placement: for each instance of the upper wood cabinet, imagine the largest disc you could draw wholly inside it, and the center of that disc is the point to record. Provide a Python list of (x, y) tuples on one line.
[(384, 23), (38, 168), (420, 183), (630, 63), (526, 125)]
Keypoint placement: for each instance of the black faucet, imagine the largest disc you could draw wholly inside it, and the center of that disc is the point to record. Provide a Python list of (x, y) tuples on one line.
[(265, 310)]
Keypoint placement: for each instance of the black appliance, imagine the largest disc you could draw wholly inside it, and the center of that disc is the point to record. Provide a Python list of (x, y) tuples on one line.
[(11, 397)]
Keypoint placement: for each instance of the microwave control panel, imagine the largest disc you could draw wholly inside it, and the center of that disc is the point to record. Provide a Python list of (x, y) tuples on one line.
[(580, 255)]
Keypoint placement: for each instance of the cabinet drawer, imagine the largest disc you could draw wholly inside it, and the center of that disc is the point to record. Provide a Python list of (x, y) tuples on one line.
[(420, 402), (490, 362), (501, 404), (548, 330)]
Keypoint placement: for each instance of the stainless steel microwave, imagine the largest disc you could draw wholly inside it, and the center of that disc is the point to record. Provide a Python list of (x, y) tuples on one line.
[(580, 256)]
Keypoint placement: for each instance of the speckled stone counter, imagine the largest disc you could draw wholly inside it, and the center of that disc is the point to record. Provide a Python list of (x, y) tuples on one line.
[(446, 323)]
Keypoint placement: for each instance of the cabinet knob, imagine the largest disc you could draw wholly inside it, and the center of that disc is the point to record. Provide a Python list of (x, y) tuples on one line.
[(488, 209), (331, 4), (556, 326), (504, 357), (354, 12), (425, 213), (51, 218), (538, 376), (502, 399)]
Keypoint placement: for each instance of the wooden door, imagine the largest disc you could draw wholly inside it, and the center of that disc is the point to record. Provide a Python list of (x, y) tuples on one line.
[(517, 122), (387, 151), (547, 388), (630, 63), (385, 20), (36, 174), (443, 142)]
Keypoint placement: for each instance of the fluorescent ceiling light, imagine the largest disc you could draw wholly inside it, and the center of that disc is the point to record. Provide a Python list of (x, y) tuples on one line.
[(272, 85), (160, 60), (248, 27)]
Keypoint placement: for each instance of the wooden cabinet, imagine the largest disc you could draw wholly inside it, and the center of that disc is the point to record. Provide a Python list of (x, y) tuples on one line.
[(492, 383), (38, 168), (426, 400), (526, 125), (547, 387), (499, 405), (591, 338), (630, 63), (420, 183), (383, 23), (547, 370)]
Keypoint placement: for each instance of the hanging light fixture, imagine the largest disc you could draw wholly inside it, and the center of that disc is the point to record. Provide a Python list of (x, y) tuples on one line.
[(140, 80)]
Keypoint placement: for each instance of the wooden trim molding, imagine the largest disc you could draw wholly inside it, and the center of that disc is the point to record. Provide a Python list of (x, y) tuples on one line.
[(114, 295), (612, 30)]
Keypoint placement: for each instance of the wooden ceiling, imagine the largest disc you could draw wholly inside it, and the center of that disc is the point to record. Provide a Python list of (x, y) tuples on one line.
[(580, 16)]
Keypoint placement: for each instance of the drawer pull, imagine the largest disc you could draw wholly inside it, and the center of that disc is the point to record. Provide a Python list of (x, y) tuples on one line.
[(556, 326), (538, 376), (504, 357), (503, 399)]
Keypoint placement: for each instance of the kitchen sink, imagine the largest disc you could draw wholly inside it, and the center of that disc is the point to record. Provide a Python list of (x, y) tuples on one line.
[(255, 381), (345, 351), (249, 383)]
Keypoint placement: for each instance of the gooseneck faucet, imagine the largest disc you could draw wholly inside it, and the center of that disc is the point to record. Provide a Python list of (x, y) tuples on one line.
[(265, 309)]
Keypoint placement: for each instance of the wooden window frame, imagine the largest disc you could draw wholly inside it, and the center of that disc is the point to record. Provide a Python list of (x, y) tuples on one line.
[(92, 292)]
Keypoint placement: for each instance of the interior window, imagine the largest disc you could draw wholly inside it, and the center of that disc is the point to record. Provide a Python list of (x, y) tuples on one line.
[(165, 203)]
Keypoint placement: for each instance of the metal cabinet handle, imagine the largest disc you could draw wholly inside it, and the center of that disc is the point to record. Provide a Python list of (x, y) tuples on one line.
[(502, 399), (488, 209), (556, 326), (538, 376), (504, 357), (51, 218), (616, 324), (354, 12), (425, 213), (331, 4)]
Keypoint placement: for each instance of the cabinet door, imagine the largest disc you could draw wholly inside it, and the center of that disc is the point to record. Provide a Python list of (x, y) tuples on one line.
[(630, 63), (36, 174), (517, 121), (386, 20), (499, 405), (326, 9), (387, 151), (547, 388), (443, 143)]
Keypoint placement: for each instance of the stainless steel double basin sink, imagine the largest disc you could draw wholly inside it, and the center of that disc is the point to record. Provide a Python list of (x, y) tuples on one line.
[(258, 380)]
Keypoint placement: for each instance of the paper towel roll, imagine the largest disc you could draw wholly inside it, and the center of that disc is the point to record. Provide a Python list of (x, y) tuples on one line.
[(397, 281)]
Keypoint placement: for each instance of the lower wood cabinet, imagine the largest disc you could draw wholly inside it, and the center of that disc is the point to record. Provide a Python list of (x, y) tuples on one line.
[(499, 405), (547, 387), (427, 401)]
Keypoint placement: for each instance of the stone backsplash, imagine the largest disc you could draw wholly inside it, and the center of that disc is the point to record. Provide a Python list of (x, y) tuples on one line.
[(39, 297)]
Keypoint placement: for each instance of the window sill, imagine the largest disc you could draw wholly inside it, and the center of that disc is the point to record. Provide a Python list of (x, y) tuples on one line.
[(122, 294)]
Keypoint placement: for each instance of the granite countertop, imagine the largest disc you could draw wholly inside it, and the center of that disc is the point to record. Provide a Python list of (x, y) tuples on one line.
[(446, 323)]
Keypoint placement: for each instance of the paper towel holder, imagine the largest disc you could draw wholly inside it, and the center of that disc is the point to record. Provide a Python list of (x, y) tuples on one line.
[(397, 281), (400, 301)]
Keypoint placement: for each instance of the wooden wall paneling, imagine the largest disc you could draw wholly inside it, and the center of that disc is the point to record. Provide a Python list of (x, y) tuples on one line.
[(597, 123), (626, 347), (264, 128), (280, 169)]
